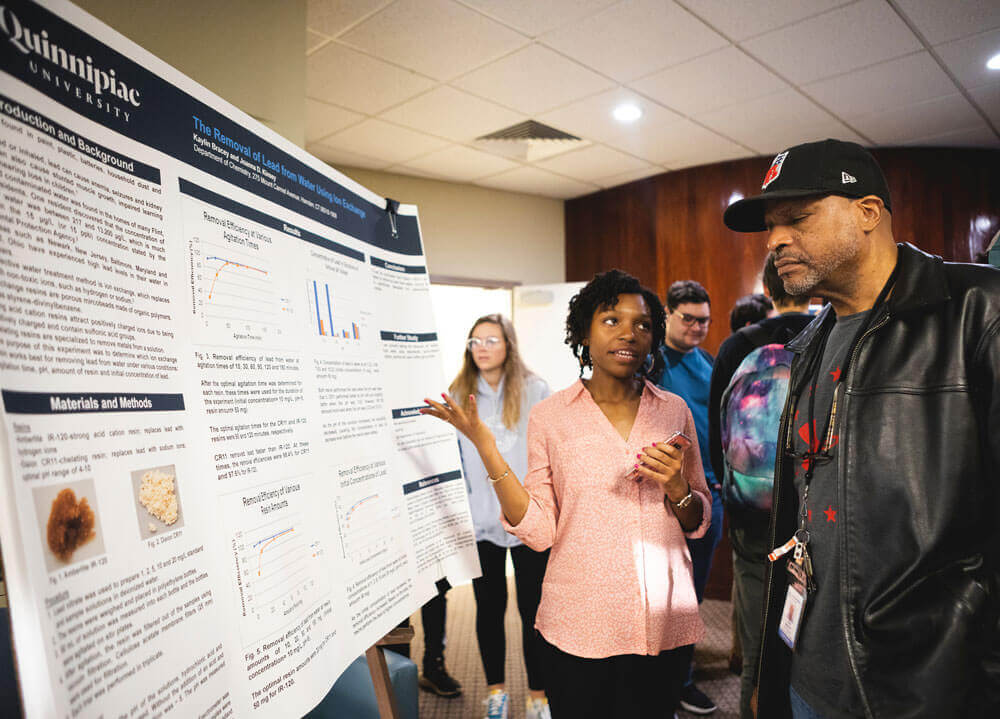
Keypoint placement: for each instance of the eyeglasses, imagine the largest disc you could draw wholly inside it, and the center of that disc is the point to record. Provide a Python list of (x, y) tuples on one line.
[(490, 343), (691, 320)]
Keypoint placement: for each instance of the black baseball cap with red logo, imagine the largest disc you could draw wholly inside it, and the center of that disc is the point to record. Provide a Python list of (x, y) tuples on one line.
[(828, 167)]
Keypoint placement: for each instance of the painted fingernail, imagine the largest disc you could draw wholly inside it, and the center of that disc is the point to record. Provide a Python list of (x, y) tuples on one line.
[(638, 456), (654, 444), (637, 466)]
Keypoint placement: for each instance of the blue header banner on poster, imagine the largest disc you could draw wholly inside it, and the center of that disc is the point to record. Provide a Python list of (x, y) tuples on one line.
[(74, 69)]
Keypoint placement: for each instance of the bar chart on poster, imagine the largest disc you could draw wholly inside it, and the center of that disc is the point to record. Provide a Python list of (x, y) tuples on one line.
[(337, 290)]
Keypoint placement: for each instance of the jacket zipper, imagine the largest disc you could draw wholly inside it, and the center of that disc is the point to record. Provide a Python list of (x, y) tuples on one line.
[(845, 623)]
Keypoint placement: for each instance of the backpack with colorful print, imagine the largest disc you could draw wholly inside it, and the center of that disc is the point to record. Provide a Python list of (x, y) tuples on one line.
[(750, 418)]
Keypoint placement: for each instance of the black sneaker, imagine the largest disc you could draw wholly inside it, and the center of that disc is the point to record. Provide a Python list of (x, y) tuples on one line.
[(436, 679), (694, 700)]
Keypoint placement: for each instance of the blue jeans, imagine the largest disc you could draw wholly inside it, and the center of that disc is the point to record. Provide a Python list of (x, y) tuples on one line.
[(701, 563), (801, 710)]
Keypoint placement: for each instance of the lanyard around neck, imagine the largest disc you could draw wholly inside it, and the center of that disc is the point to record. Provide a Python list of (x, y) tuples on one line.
[(821, 454)]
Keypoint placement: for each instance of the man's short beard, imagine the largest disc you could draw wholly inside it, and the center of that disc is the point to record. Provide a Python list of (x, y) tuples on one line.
[(819, 269)]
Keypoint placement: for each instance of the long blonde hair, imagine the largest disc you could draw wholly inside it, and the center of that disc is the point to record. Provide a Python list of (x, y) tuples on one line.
[(514, 372)]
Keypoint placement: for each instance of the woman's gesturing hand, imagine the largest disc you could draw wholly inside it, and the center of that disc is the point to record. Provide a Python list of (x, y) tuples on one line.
[(661, 463), (466, 422)]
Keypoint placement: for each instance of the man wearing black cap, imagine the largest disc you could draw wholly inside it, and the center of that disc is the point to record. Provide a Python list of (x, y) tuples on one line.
[(883, 592)]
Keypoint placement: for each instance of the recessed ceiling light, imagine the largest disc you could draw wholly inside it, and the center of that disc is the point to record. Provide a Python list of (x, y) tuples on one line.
[(994, 62), (627, 112)]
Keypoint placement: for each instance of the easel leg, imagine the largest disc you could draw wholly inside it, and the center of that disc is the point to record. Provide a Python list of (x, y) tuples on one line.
[(384, 696)]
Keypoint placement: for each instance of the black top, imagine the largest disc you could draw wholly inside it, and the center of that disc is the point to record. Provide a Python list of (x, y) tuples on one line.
[(821, 673)]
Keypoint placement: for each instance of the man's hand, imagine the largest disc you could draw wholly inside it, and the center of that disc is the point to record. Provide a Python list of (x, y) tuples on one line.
[(466, 422)]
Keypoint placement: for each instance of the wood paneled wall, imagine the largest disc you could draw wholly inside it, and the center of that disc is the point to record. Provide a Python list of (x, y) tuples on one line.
[(669, 227)]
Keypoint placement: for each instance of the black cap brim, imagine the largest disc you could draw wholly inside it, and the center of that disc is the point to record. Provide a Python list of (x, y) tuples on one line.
[(747, 215)]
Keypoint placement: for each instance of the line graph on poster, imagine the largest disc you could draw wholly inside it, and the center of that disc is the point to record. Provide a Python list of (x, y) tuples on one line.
[(234, 293), (277, 561), (366, 522)]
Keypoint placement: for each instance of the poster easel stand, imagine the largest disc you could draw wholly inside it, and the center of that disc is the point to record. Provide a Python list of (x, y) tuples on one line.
[(375, 655)]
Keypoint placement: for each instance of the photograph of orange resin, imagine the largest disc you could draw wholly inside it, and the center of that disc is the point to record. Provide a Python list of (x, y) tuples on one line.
[(71, 524)]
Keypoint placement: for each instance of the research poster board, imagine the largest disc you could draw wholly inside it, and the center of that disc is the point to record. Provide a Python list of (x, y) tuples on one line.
[(216, 490)]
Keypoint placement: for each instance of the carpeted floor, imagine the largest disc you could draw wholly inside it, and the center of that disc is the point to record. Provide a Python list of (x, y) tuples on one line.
[(462, 660)]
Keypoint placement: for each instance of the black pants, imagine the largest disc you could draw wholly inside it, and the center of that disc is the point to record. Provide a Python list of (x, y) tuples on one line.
[(628, 686), (491, 604)]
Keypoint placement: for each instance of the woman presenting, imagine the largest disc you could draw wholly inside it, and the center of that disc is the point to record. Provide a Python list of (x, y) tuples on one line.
[(613, 489), (504, 392)]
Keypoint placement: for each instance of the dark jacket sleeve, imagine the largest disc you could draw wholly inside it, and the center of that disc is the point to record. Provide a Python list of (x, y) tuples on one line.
[(731, 353), (988, 388)]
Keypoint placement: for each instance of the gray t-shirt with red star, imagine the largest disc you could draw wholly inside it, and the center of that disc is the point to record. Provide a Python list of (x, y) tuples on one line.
[(821, 673)]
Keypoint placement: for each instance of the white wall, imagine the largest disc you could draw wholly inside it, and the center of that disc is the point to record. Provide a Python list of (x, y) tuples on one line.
[(478, 233)]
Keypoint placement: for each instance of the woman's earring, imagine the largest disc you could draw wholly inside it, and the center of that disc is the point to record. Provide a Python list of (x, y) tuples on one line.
[(647, 366)]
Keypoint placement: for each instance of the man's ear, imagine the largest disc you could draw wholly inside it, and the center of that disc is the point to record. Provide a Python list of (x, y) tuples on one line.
[(871, 212)]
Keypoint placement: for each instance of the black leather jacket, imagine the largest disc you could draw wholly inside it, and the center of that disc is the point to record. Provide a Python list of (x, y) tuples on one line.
[(919, 492)]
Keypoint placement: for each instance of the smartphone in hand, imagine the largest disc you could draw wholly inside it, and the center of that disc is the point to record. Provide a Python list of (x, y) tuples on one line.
[(679, 440)]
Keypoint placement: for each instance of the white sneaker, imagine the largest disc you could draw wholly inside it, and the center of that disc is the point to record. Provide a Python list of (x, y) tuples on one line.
[(496, 705), (536, 708)]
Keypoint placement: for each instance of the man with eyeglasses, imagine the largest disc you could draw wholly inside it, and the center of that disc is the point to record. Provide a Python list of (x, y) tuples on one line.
[(687, 372)]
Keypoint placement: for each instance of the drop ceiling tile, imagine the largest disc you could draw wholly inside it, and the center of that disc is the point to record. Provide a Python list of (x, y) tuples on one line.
[(461, 164), (967, 58), (980, 136), (933, 117), (836, 42), (943, 21), (988, 99), (711, 81), (591, 119), (533, 17), (346, 77), (314, 40), (451, 113), (626, 177), (340, 158), (323, 119), (739, 19), (590, 163), (439, 38), (384, 141), (635, 38), (903, 81), (686, 144), (533, 181), (533, 80), (332, 17), (777, 121)]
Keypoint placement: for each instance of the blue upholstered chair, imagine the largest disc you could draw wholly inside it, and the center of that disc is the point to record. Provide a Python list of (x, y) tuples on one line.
[(353, 696)]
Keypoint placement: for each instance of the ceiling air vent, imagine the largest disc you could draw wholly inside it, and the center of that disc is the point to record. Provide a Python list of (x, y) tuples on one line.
[(529, 141)]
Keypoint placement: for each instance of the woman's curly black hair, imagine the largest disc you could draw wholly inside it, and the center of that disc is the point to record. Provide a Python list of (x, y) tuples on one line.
[(602, 292)]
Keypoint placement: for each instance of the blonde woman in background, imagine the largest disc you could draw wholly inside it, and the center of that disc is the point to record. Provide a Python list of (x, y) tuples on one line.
[(505, 392)]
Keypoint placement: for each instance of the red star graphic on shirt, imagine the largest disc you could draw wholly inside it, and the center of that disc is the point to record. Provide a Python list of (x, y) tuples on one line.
[(809, 514), (836, 375), (831, 513)]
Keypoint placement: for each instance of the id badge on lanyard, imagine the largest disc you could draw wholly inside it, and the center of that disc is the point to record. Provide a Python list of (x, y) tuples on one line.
[(800, 584)]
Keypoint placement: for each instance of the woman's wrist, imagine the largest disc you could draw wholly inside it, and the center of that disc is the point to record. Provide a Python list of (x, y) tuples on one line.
[(676, 493)]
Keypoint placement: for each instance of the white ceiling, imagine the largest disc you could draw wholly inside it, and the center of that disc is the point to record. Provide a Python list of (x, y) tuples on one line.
[(407, 85)]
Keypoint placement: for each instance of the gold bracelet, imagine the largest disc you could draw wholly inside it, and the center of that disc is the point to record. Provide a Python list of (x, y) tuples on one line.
[(502, 476)]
